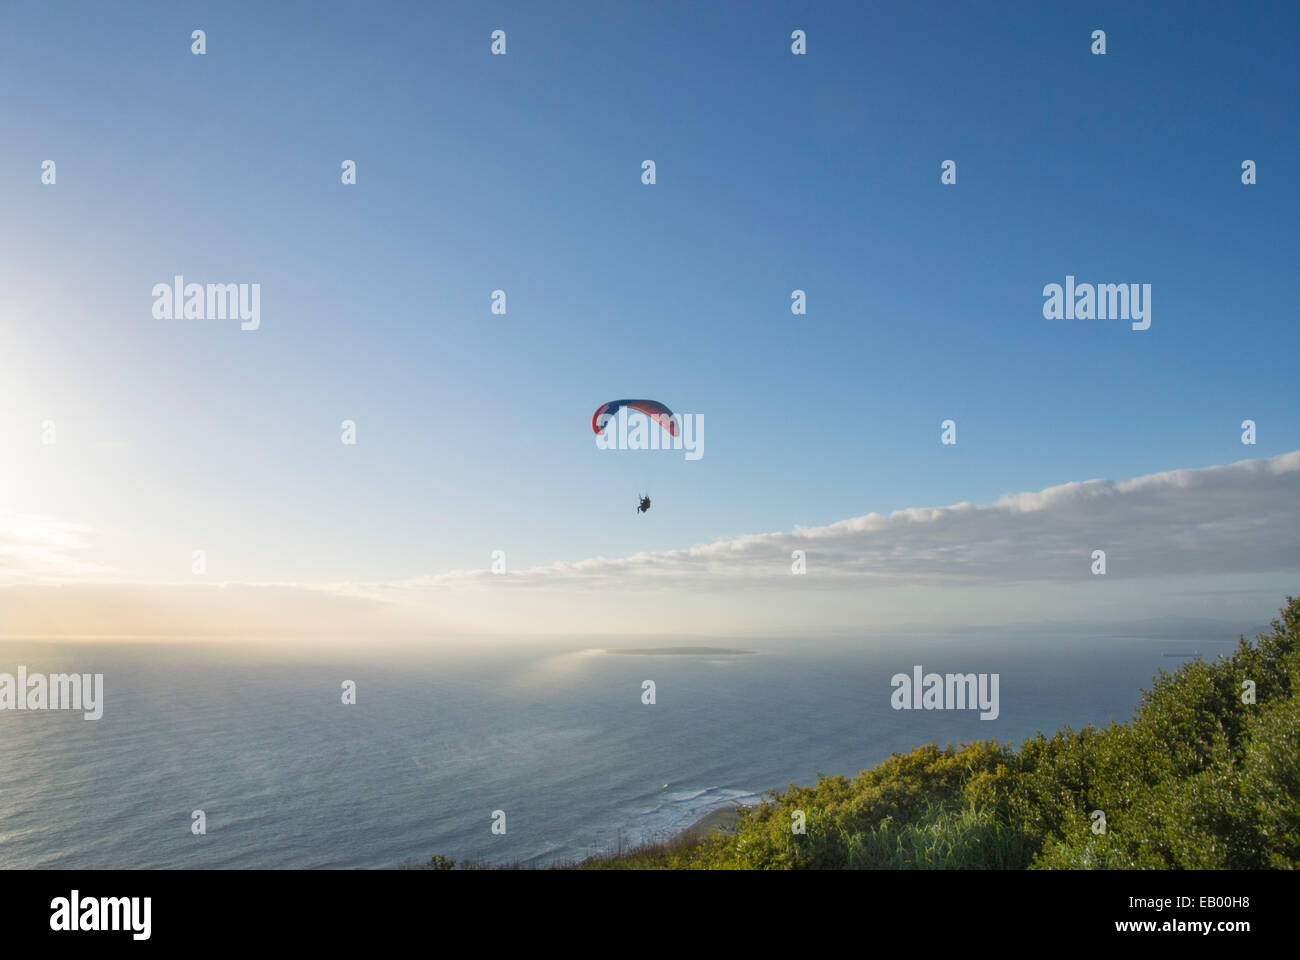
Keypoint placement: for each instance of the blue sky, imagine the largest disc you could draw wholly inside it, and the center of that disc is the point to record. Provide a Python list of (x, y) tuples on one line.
[(522, 172)]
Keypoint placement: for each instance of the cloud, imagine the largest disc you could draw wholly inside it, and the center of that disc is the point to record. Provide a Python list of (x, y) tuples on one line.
[(38, 548), (1205, 529), (1239, 518), (197, 610)]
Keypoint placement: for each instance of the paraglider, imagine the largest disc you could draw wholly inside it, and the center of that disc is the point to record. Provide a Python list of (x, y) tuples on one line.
[(653, 409)]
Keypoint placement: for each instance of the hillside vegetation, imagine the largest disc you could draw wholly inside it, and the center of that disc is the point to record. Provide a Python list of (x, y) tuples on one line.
[(1198, 779)]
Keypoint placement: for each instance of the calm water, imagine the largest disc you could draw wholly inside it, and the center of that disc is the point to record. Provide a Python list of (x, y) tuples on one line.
[(557, 738)]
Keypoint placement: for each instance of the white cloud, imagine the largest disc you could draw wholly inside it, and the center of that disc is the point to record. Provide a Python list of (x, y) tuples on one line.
[(37, 548), (1028, 555), (1239, 518)]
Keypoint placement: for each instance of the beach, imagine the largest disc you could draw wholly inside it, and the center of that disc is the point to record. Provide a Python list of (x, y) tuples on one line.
[(719, 821)]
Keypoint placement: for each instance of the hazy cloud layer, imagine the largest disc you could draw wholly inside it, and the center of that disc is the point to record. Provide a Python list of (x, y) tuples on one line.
[(1204, 527), (1239, 518), (35, 548)]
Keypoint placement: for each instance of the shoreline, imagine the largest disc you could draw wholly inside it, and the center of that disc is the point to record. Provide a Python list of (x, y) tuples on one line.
[(723, 820)]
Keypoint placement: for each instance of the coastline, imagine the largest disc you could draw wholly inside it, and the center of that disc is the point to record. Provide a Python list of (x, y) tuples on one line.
[(719, 821)]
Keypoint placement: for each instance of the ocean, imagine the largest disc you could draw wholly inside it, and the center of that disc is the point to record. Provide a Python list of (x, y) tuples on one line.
[(555, 736)]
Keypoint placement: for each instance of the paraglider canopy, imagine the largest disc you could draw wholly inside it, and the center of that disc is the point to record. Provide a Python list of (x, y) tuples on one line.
[(653, 409)]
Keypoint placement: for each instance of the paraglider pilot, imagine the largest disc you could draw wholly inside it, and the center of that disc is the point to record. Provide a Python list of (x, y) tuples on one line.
[(645, 505)]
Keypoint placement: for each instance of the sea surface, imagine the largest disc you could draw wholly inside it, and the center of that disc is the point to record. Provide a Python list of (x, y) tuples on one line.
[(556, 736)]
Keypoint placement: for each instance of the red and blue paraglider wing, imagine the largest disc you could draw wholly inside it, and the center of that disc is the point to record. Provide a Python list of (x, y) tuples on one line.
[(653, 409)]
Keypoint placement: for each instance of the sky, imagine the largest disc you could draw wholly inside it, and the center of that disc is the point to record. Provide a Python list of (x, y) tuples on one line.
[(523, 172)]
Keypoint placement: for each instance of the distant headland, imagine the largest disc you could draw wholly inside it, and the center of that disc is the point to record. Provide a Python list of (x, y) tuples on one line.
[(680, 651)]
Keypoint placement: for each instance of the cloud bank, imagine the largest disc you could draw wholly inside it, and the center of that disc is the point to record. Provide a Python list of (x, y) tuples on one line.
[(1239, 518), (1172, 541)]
